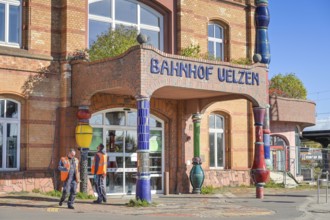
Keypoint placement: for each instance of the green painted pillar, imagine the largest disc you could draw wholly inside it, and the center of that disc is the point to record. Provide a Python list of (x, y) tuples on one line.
[(197, 174), (197, 131)]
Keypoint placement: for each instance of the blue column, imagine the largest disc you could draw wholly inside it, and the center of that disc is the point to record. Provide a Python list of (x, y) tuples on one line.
[(262, 18), (266, 129), (143, 190)]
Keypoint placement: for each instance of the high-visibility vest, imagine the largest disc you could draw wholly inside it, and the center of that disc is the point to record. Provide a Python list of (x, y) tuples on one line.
[(102, 168), (66, 164)]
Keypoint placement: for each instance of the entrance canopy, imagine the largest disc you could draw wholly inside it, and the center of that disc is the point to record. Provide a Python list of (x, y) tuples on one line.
[(147, 72)]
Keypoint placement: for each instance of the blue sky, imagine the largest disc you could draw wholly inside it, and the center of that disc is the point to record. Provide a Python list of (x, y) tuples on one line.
[(299, 35)]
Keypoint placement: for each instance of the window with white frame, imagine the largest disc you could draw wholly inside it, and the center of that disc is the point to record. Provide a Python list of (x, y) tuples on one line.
[(216, 41), (105, 14), (10, 22), (9, 134), (217, 141)]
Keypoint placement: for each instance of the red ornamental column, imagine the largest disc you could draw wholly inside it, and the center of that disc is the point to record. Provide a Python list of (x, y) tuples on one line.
[(259, 172)]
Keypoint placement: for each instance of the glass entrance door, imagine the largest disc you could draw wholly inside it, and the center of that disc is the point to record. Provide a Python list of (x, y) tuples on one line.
[(117, 131), (122, 161)]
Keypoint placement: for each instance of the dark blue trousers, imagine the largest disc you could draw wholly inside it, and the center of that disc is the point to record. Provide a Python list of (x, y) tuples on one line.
[(70, 186)]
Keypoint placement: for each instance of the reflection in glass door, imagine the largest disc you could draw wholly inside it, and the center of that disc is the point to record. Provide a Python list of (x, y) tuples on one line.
[(122, 159), (118, 131)]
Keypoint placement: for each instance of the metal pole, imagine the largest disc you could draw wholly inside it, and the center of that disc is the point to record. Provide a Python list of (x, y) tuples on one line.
[(326, 192), (318, 190), (284, 168)]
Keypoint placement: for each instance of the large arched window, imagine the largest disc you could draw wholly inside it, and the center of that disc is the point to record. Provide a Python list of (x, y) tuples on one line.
[(216, 41), (105, 14), (9, 134), (217, 141), (117, 130), (10, 22)]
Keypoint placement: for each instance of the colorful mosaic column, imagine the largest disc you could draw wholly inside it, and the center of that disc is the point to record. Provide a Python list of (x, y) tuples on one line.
[(143, 190), (262, 21), (266, 130), (197, 174), (83, 139), (259, 172)]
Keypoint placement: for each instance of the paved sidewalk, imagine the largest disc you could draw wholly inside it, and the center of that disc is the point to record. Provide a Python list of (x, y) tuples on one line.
[(283, 204)]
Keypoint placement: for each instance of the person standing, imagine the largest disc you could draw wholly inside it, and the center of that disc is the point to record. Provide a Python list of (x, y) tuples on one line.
[(99, 169), (69, 167)]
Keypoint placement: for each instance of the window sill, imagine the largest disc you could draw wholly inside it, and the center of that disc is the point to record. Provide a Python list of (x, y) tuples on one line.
[(9, 170), (9, 45), (8, 50), (217, 168)]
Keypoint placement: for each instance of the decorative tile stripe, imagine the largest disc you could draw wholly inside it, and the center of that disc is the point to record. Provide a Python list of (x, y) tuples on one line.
[(143, 190), (39, 145), (143, 124), (44, 99), (267, 146), (39, 122)]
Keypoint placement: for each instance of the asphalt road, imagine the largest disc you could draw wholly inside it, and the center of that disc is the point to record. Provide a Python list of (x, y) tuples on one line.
[(300, 205)]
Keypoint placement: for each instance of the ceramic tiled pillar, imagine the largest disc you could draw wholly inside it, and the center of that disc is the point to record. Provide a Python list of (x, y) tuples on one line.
[(143, 190), (262, 43), (266, 130), (259, 172), (196, 173)]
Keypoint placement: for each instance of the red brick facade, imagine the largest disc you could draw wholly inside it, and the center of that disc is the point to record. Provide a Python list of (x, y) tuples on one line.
[(50, 90)]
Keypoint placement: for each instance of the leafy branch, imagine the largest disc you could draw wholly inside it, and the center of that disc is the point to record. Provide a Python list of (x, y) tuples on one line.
[(34, 80)]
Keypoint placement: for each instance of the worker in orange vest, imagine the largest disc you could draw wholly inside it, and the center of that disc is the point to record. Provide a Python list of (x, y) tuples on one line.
[(99, 169), (69, 168)]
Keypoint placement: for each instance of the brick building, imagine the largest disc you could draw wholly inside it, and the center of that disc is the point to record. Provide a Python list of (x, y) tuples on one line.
[(41, 92)]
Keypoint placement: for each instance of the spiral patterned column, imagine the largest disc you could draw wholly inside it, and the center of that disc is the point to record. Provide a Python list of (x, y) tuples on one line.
[(143, 190)]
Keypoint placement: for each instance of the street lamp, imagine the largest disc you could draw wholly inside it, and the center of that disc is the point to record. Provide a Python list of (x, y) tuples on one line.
[(84, 135)]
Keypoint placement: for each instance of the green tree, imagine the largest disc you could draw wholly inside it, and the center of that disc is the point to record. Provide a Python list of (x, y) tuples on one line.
[(113, 43), (191, 51), (310, 144), (288, 85)]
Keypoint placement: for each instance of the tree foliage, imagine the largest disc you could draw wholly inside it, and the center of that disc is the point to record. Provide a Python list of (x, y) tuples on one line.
[(191, 51), (288, 85), (242, 61), (113, 43), (194, 51), (310, 144)]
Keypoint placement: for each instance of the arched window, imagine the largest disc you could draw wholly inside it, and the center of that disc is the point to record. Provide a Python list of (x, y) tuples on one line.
[(9, 134), (216, 41), (117, 130), (105, 14), (217, 141), (10, 22), (280, 153)]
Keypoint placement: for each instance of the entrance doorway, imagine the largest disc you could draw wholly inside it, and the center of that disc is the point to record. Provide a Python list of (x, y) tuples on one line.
[(117, 130)]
